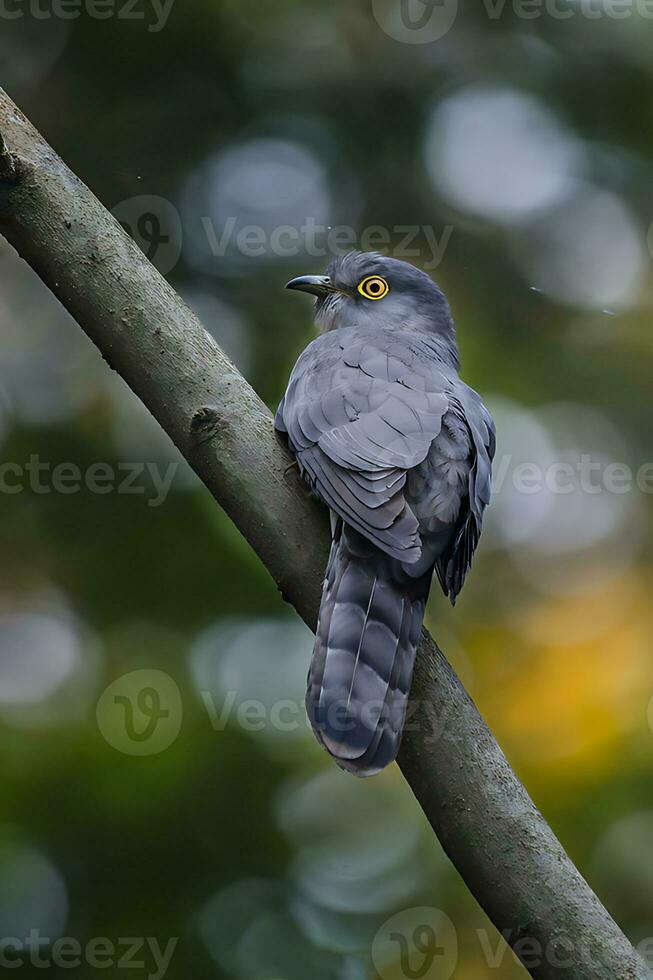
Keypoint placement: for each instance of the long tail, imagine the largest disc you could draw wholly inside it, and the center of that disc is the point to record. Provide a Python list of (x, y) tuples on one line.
[(360, 674)]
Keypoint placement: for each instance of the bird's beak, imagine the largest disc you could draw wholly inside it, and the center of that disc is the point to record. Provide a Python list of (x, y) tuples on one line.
[(317, 285)]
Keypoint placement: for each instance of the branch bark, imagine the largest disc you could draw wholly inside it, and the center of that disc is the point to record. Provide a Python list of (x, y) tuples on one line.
[(489, 827)]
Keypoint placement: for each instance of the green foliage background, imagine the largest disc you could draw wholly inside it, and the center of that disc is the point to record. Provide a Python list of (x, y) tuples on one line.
[(247, 846)]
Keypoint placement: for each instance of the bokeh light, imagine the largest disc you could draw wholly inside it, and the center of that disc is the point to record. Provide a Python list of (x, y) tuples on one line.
[(523, 146), (501, 154)]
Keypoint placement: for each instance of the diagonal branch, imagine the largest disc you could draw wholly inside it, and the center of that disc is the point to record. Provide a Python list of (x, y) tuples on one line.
[(483, 816)]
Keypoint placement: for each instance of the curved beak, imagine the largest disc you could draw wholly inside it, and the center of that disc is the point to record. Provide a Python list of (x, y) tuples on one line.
[(317, 285)]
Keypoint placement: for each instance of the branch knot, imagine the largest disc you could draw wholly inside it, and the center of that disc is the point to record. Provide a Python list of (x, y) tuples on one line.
[(205, 423), (10, 165)]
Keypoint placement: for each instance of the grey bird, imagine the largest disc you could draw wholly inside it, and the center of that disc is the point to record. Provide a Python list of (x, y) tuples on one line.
[(400, 450)]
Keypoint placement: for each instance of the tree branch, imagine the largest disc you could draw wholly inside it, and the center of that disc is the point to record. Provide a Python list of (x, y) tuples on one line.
[(488, 825)]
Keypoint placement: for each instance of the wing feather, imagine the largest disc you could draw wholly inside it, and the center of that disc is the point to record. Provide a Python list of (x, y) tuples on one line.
[(454, 562), (362, 408)]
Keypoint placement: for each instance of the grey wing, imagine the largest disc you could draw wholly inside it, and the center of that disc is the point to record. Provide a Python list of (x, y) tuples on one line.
[(469, 414), (361, 410)]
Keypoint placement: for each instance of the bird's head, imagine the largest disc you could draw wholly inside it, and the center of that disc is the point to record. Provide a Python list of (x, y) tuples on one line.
[(365, 288)]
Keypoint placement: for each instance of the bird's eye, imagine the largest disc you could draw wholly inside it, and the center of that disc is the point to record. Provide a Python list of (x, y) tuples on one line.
[(373, 287)]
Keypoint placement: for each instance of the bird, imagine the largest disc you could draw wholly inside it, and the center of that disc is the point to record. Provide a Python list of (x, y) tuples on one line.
[(400, 450)]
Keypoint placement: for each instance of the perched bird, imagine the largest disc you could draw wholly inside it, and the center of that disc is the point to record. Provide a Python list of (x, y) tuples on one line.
[(400, 451)]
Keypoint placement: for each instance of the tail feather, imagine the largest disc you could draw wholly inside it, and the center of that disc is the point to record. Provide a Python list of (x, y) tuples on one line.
[(388, 736), (362, 664)]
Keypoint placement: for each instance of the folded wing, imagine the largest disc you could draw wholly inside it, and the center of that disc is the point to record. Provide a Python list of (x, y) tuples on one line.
[(454, 562), (362, 408)]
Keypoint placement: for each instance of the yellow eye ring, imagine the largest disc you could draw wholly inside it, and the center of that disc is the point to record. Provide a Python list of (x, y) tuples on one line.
[(373, 287)]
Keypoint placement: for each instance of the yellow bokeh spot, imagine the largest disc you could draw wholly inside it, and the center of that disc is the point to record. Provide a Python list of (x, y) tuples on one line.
[(567, 683)]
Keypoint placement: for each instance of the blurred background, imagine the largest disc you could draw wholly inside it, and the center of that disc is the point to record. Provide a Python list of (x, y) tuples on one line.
[(159, 779)]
